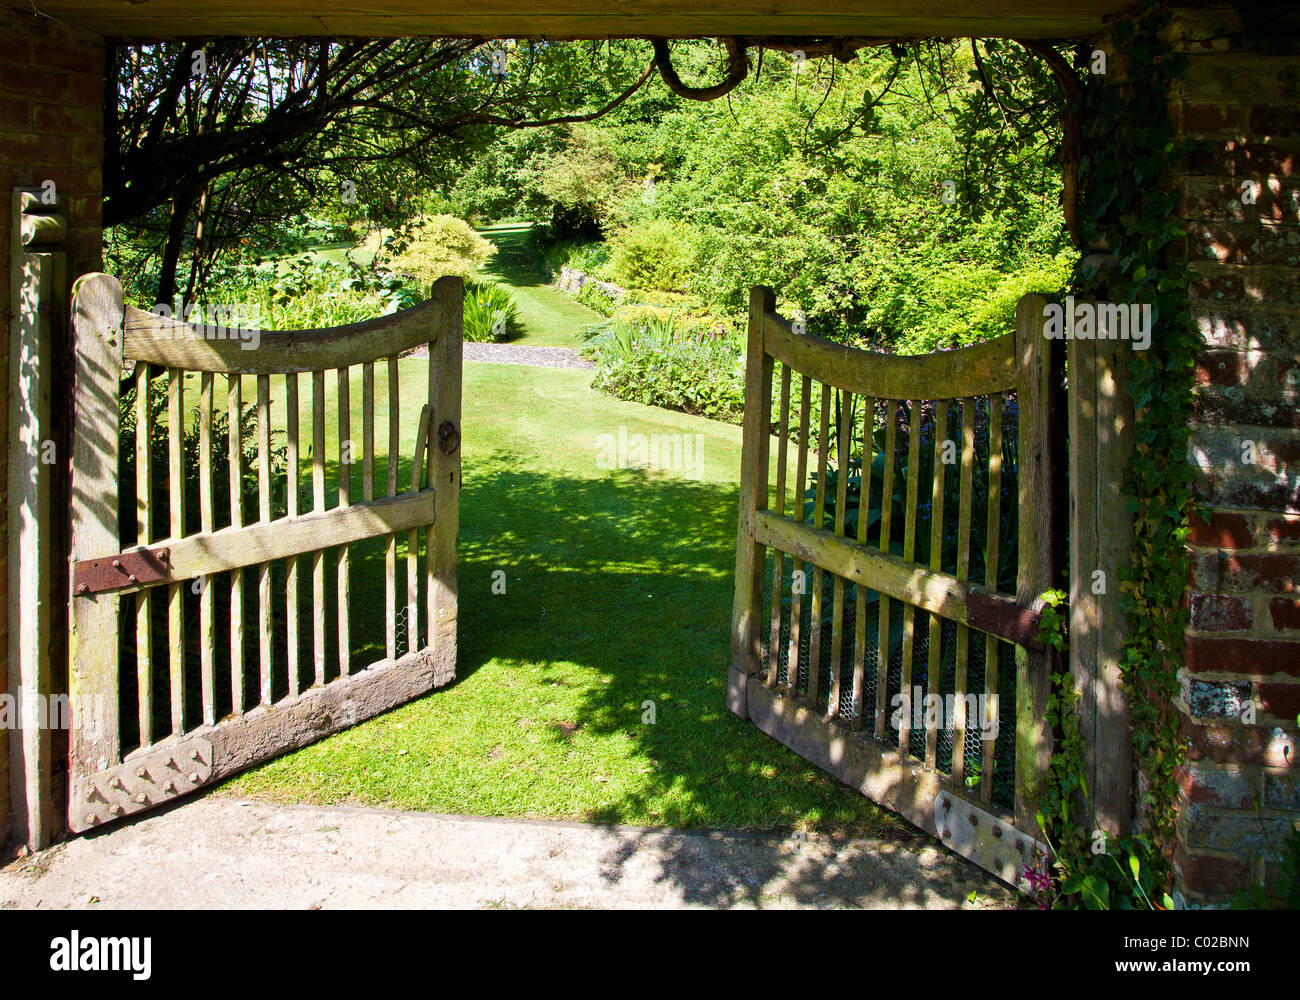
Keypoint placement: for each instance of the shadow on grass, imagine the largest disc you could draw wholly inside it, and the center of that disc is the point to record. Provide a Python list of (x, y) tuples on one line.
[(512, 263), (631, 575)]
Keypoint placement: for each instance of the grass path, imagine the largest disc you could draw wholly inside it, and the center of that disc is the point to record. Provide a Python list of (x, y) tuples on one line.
[(618, 595), (548, 318)]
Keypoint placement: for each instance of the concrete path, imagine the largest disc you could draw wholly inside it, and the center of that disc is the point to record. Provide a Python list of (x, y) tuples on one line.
[(525, 354), (219, 853)]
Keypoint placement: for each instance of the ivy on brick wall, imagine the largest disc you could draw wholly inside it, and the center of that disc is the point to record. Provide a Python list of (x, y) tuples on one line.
[(1129, 206)]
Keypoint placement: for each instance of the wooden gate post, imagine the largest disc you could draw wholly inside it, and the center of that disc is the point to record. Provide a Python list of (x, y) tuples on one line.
[(444, 469), (1035, 574), (1101, 541), (755, 445), (97, 317)]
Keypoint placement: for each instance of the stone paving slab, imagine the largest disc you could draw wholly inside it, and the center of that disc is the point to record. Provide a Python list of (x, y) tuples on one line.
[(223, 853)]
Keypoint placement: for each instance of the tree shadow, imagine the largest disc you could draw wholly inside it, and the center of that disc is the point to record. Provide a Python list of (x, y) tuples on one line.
[(631, 574)]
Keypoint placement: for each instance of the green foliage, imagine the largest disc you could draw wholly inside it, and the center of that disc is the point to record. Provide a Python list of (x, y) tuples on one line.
[(656, 254), (1093, 871), (828, 188), (650, 361), (435, 247), (1054, 620), (490, 313), (597, 299)]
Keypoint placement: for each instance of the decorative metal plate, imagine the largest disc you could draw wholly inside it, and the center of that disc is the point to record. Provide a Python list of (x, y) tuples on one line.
[(1004, 618), (149, 779), (993, 844), (126, 569)]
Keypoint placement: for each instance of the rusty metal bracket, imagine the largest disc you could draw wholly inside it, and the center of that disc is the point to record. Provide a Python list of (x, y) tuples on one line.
[(448, 437), (142, 782), (1004, 618), (979, 836), (126, 569)]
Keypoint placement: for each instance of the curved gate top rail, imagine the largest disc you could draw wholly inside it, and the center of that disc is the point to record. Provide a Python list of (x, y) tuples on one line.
[(163, 340), (882, 647), (207, 707)]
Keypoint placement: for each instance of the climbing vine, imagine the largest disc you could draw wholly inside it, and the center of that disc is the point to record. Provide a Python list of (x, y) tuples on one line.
[(1128, 207)]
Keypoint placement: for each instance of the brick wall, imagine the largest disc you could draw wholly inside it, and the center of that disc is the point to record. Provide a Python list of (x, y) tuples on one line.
[(1241, 683), (50, 129)]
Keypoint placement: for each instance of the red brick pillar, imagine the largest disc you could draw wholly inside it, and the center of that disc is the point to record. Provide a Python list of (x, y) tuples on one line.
[(1241, 685), (51, 84)]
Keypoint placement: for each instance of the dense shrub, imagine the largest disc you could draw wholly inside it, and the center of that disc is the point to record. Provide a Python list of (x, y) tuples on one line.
[(651, 362), (657, 254), (439, 245)]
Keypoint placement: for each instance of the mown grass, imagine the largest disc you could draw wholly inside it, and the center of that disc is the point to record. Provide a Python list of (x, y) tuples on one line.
[(546, 317), (618, 593)]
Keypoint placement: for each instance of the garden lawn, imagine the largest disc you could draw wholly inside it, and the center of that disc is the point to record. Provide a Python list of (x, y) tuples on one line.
[(593, 688), (547, 318)]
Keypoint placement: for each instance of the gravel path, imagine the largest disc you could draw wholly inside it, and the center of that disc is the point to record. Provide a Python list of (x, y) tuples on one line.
[(521, 354)]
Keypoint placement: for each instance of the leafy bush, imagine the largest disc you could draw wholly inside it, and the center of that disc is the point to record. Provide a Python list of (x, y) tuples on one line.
[(437, 246), (490, 312), (651, 362), (657, 254), (597, 299)]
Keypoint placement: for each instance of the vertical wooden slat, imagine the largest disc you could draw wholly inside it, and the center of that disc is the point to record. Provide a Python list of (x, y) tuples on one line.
[(844, 439), (886, 528), (864, 504), (909, 555), (413, 537), (95, 740), (748, 604), (345, 500), (965, 489), (778, 557), (292, 486), (176, 489), (207, 633), (992, 554), (390, 553), (264, 515), (1033, 552), (798, 567), (234, 421), (368, 431), (443, 474), (144, 535), (318, 503), (819, 518), (934, 665)]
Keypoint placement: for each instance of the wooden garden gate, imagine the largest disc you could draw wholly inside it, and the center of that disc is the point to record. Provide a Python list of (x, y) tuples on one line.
[(871, 636), (247, 672)]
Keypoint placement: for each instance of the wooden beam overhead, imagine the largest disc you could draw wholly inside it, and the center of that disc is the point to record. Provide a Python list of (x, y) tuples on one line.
[(157, 19)]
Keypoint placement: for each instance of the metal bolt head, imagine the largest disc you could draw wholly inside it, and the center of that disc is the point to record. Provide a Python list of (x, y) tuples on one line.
[(946, 833), (115, 809), (194, 756), (943, 803), (91, 818), (142, 798), (997, 831), (140, 772), (82, 589), (170, 787), (974, 820), (194, 779), (115, 782)]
